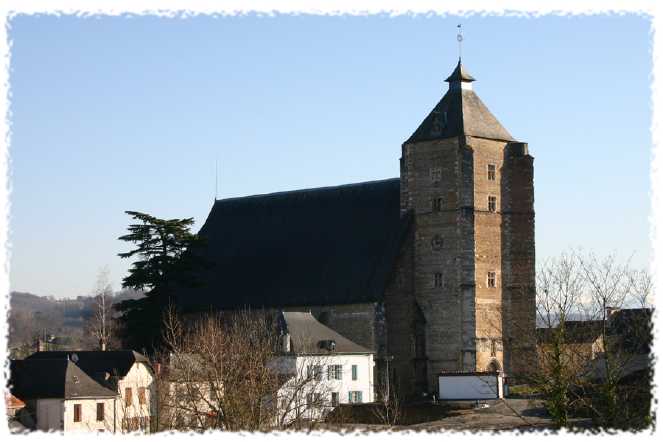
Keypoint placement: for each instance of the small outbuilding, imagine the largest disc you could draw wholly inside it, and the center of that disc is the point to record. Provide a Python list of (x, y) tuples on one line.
[(471, 385)]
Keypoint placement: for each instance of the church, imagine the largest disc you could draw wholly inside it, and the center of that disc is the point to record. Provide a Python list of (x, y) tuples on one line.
[(433, 270)]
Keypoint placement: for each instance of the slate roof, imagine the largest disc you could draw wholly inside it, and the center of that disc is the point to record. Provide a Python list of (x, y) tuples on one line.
[(53, 378), (331, 245), (576, 332), (97, 363), (624, 367), (460, 112), (634, 327), (306, 334)]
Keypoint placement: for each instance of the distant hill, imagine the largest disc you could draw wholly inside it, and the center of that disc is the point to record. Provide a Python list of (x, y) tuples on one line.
[(32, 316)]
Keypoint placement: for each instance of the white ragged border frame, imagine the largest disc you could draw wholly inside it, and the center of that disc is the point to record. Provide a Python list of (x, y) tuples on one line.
[(187, 8)]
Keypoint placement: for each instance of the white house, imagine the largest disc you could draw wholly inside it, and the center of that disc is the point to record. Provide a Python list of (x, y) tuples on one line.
[(320, 369), (127, 374), (61, 396)]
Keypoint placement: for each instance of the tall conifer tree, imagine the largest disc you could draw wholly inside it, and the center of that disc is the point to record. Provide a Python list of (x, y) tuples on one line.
[(163, 262)]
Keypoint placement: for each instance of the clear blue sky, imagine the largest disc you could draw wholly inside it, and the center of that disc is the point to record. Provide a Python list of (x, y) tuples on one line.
[(115, 114)]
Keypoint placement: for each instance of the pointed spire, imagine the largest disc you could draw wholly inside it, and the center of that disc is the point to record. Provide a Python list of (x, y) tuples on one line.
[(460, 111), (460, 78)]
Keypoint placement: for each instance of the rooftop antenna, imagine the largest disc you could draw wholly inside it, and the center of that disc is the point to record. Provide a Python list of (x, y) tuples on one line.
[(459, 37), (216, 179)]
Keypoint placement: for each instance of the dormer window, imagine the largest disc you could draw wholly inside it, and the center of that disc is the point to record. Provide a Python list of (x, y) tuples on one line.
[(327, 344), (437, 127)]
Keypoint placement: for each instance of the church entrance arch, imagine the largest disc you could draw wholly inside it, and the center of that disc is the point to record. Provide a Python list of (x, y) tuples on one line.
[(494, 366)]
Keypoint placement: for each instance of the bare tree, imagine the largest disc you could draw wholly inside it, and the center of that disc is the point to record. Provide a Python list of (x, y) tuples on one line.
[(387, 408), (560, 286), (643, 288), (303, 398), (611, 286), (583, 353), (217, 374), (229, 371), (101, 324)]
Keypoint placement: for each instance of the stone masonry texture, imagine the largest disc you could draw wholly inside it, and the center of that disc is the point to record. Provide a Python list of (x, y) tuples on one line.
[(472, 258)]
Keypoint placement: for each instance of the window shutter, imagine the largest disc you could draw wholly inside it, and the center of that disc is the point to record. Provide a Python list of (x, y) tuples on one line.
[(127, 397), (359, 396)]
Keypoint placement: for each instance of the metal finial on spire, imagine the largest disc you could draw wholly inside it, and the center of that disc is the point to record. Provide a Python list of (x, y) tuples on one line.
[(459, 37)]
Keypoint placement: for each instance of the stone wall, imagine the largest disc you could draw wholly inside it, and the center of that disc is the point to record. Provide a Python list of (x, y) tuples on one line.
[(487, 251), (518, 257), (432, 171), (400, 305), (469, 325)]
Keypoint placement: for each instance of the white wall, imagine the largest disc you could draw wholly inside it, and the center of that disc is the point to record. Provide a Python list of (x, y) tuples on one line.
[(469, 386), (58, 414), (364, 382), (140, 375), (325, 386), (89, 415)]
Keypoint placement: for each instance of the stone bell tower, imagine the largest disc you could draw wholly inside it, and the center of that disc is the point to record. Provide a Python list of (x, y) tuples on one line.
[(468, 185)]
